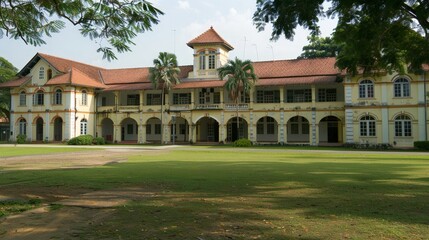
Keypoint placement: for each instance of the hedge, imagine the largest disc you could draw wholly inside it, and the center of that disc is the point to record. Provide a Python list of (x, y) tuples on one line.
[(81, 140), (242, 142), (422, 145)]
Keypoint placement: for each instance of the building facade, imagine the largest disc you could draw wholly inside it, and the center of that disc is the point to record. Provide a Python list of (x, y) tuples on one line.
[(303, 101)]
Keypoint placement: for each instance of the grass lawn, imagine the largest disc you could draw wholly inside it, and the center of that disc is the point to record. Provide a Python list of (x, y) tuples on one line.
[(22, 151), (219, 193)]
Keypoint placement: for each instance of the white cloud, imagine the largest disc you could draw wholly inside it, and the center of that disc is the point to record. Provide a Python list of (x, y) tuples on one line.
[(184, 4)]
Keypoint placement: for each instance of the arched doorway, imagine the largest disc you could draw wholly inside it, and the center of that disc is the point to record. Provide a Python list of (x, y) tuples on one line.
[(153, 130), (207, 130), (298, 130), (107, 129), (179, 129), (39, 129), (330, 130), (58, 129), (266, 130), (233, 133), (129, 130)]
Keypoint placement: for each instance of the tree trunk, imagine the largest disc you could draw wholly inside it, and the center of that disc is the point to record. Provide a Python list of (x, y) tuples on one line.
[(162, 113), (238, 123)]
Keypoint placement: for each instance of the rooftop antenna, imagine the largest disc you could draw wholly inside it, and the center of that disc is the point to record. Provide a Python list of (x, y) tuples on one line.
[(257, 54), (272, 50)]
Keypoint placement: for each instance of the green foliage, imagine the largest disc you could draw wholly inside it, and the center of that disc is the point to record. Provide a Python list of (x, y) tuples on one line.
[(21, 138), (165, 72), (421, 145), (81, 140), (242, 142), (320, 47), (374, 35), (240, 77), (98, 141), (118, 22), (7, 72)]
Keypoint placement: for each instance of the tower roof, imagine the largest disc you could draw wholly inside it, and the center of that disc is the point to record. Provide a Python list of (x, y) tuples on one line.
[(209, 37)]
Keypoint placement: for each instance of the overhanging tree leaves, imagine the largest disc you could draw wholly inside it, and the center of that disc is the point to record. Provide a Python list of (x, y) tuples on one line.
[(7, 72), (379, 34), (114, 21)]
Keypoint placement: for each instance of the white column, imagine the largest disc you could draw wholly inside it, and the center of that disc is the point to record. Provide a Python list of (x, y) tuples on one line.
[(384, 114)]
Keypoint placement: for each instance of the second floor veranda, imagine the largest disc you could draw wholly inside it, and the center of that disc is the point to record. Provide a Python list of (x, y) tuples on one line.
[(291, 97)]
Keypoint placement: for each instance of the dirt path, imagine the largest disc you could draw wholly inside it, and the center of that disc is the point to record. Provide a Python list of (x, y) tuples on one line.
[(72, 217), (74, 210)]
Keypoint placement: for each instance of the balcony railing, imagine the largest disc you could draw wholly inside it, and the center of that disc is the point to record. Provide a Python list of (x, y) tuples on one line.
[(180, 107), (134, 108), (207, 106), (232, 106), (106, 108)]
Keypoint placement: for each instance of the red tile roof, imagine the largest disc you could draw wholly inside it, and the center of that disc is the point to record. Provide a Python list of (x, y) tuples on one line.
[(75, 77), (135, 75), (15, 83), (296, 67), (132, 86), (209, 36), (200, 84), (64, 65)]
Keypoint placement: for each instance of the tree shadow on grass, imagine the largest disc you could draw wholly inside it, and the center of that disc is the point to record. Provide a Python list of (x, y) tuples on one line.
[(273, 199)]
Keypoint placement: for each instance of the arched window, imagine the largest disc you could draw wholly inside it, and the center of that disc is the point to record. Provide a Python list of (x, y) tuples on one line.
[(403, 126), (401, 87), (41, 73), (299, 125), (39, 98), (83, 127), (49, 73), (212, 59), (58, 97), (84, 98), (202, 60), (366, 89), (22, 98), (22, 127), (367, 126)]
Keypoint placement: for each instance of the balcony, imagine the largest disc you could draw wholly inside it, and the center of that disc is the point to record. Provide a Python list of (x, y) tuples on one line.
[(105, 109), (233, 107), (180, 107), (207, 106), (133, 108)]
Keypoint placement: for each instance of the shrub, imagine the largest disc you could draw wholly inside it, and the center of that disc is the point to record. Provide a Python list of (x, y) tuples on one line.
[(81, 140), (21, 138), (242, 142), (98, 141), (422, 145)]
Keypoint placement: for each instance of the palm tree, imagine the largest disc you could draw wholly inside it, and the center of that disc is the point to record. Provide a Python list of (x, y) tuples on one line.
[(164, 75), (240, 78)]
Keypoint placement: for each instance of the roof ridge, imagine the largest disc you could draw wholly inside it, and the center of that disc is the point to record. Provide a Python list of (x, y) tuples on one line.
[(70, 60), (211, 30), (83, 73)]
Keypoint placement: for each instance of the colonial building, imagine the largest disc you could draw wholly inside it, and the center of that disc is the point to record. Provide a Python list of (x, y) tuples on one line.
[(305, 101)]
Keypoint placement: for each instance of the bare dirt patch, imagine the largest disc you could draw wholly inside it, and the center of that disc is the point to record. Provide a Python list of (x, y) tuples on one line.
[(66, 212)]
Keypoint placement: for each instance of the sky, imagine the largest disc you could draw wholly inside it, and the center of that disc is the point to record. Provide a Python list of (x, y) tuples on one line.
[(183, 20)]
